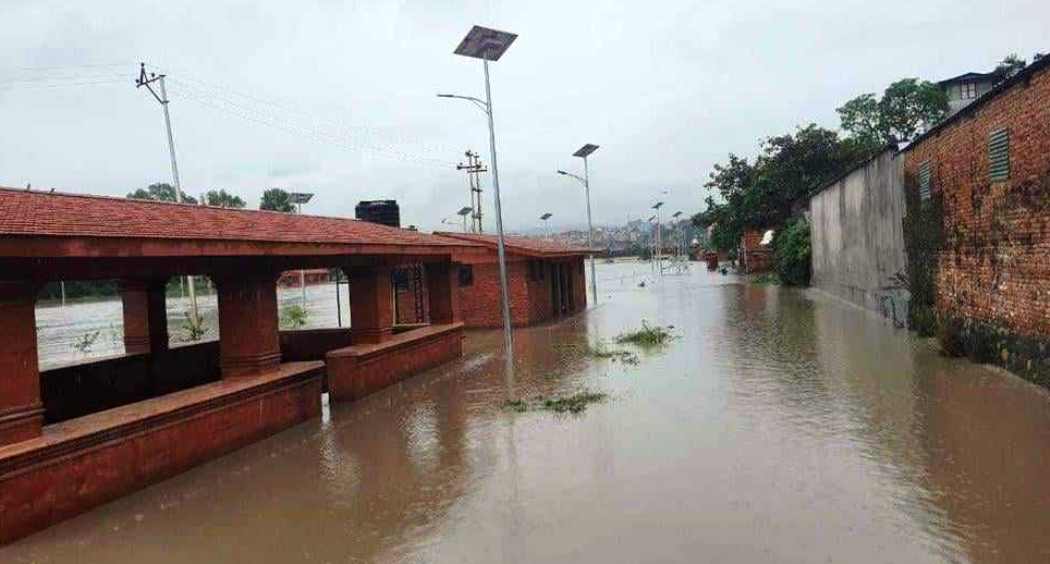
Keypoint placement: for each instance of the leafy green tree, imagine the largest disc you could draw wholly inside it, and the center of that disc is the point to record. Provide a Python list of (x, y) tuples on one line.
[(160, 192), (1009, 66), (906, 109), (223, 199), (276, 199), (768, 192)]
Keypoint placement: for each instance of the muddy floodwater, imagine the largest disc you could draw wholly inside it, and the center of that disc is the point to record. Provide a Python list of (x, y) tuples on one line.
[(779, 426)]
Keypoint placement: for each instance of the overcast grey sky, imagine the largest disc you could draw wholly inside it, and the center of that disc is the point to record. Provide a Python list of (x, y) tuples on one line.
[(339, 97)]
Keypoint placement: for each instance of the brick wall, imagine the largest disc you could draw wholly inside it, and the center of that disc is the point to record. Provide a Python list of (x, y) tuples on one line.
[(530, 295), (993, 270), (754, 257)]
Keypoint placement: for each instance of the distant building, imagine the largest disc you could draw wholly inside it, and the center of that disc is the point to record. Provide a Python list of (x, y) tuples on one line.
[(965, 88)]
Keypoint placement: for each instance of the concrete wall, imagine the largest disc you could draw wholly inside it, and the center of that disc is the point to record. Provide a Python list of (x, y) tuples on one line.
[(858, 239)]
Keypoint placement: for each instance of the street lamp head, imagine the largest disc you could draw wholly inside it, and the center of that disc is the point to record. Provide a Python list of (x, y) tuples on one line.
[(562, 172), (485, 43), (299, 197), (546, 216), (676, 214), (657, 205), (586, 150), (465, 211)]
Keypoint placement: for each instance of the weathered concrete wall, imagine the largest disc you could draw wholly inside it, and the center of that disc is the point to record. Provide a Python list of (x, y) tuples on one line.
[(858, 239)]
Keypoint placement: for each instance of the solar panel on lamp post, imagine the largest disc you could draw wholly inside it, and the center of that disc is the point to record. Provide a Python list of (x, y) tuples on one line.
[(546, 223), (298, 199), (463, 212), (489, 45)]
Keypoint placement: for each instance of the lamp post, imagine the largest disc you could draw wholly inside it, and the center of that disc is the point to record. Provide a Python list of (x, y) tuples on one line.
[(300, 198), (584, 152), (659, 237), (489, 45), (545, 218)]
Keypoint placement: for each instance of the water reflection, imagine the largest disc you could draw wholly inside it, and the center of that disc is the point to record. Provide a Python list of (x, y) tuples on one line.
[(780, 426)]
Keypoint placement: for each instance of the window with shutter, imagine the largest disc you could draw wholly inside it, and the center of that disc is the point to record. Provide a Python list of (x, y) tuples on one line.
[(999, 155), (924, 181)]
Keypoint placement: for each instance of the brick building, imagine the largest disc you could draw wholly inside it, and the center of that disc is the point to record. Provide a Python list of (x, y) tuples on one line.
[(77, 436), (546, 279), (753, 256), (987, 169)]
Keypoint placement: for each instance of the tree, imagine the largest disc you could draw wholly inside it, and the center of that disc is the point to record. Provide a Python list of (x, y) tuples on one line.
[(907, 108), (1009, 66), (767, 193), (223, 199), (276, 199), (160, 192)]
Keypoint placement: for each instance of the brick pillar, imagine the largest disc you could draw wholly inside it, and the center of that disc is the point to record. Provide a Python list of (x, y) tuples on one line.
[(371, 304), (443, 290), (248, 330), (21, 413), (145, 316)]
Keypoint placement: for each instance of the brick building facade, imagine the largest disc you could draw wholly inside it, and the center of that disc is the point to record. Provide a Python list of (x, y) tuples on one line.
[(988, 168), (546, 280)]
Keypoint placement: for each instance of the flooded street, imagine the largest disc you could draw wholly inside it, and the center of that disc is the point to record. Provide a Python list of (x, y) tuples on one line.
[(779, 426)]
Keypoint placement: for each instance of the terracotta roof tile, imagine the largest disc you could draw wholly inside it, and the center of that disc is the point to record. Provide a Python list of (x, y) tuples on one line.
[(526, 245), (31, 213)]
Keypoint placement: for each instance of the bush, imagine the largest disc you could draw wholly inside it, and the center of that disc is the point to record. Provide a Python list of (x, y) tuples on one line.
[(293, 317), (791, 253)]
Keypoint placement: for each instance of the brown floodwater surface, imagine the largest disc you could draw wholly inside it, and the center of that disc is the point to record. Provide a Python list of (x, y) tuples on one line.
[(779, 426)]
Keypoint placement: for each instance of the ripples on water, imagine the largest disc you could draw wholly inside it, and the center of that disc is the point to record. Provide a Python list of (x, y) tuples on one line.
[(782, 426)]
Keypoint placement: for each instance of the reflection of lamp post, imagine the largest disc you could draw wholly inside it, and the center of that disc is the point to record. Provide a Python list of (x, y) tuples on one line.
[(545, 218), (464, 212), (489, 45), (584, 152), (298, 199)]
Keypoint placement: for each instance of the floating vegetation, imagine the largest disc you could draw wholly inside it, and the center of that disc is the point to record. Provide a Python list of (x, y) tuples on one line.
[(575, 403), (600, 351), (647, 336)]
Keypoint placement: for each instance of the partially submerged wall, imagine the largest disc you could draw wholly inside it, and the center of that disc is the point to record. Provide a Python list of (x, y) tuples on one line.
[(857, 237), (992, 274)]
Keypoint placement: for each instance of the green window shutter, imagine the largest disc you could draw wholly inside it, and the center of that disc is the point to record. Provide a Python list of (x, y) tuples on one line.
[(924, 181), (999, 155)]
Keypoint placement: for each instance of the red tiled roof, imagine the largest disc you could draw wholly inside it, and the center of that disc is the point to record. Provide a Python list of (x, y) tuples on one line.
[(522, 245), (31, 213)]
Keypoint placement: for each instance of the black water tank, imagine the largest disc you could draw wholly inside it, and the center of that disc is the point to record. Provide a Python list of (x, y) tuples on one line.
[(384, 212)]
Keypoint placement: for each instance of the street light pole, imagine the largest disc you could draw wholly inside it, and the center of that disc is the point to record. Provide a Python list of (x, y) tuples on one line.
[(590, 228), (584, 152), (489, 45), (508, 339)]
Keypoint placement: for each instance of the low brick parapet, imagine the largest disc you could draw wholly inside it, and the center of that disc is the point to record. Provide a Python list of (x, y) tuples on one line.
[(81, 463), (359, 370)]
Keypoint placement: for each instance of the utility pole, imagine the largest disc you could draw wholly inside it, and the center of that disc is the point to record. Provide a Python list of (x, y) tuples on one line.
[(148, 81), (474, 168)]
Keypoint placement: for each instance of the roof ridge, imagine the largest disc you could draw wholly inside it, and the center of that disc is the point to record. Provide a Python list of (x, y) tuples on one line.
[(109, 198)]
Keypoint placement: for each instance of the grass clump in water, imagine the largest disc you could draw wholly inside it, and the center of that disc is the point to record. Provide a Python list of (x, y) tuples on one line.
[(575, 403), (601, 351), (647, 336)]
